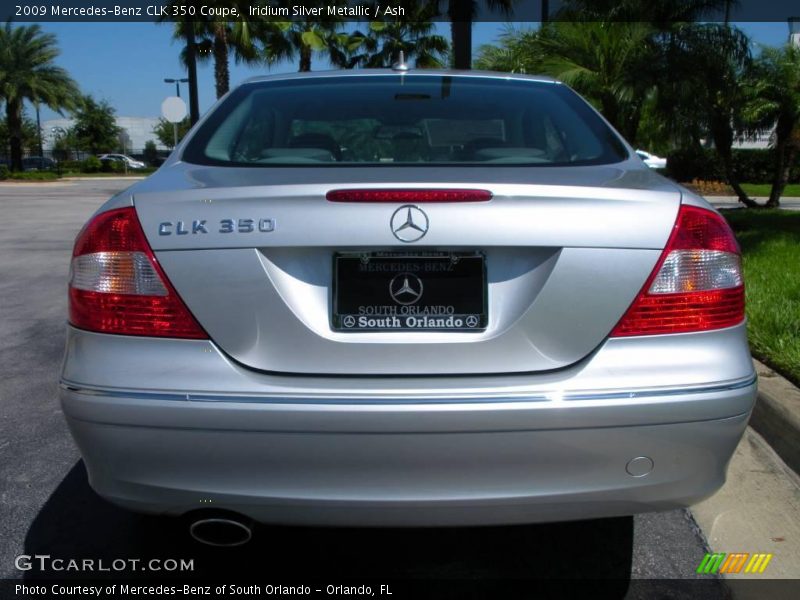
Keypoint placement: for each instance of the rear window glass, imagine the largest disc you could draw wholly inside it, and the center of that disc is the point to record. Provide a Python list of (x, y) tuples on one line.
[(403, 120)]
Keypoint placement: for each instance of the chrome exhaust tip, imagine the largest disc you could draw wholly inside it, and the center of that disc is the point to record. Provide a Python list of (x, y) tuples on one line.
[(222, 532)]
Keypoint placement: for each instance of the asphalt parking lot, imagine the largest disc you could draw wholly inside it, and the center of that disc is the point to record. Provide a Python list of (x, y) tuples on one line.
[(47, 507)]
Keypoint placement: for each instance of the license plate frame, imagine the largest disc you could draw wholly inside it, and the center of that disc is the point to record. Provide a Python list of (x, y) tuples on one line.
[(452, 288)]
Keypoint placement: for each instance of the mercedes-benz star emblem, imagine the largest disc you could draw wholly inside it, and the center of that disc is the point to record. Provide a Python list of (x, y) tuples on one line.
[(349, 321), (409, 223), (405, 288), (472, 321)]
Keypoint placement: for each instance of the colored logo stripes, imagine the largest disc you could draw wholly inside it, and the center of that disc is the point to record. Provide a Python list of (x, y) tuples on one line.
[(734, 562)]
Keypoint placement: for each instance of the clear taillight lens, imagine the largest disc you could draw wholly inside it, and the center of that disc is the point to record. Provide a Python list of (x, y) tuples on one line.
[(116, 273), (117, 286), (697, 270), (697, 283)]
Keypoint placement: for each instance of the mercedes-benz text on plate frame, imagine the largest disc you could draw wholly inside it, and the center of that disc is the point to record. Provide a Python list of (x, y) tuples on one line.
[(429, 298)]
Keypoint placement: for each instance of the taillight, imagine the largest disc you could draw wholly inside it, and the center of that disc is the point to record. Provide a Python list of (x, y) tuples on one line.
[(117, 286), (409, 195), (697, 283)]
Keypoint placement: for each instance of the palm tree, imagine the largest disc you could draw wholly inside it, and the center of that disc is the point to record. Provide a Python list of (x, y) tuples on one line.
[(515, 52), (412, 34), (287, 40), (462, 13), (217, 40), (662, 14), (28, 72), (710, 93), (609, 63), (224, 38), (775, 101)]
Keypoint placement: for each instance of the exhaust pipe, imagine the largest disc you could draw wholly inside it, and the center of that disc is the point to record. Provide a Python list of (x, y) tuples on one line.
[(222, 531)]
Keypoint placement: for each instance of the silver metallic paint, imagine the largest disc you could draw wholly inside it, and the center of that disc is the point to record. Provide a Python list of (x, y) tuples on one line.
[(534, 419)]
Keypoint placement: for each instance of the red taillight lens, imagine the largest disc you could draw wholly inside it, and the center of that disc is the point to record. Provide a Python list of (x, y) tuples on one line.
[(697, 283), (409, 195), (117, 286)]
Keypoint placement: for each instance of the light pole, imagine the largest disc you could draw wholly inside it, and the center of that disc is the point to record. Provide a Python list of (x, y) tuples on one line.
[(177, 83), (191, 70)]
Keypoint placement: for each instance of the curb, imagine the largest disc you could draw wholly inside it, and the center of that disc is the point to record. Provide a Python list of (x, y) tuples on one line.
[(776, 415)]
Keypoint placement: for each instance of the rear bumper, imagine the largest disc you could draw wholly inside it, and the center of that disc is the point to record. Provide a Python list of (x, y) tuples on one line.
[(171, 426), (463, 462)]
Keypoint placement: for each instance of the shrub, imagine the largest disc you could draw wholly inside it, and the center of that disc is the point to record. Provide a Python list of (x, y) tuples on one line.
[(751, 166), (150, 152), (72, 166), (4, 172), (33, 176), (91, 165), (688, 164)]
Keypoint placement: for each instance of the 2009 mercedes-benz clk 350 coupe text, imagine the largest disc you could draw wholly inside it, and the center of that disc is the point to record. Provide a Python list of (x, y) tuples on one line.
[(406, 298)]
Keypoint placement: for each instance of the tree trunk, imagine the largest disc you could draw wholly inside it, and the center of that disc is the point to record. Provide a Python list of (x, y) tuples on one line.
[(14, 122), (783, 165), (733, 181), (462, 44), (610, 111), (632, 125), (723, 141), (222, 78), (460, 13), (305, 58)]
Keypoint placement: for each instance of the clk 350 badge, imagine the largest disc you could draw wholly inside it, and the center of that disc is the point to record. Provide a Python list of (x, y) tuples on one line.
[(225, 226)]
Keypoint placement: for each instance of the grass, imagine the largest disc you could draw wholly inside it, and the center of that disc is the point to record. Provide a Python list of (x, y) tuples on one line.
[(32, 176), (763, 189), (770, 241), (130, 173), (53, 175)]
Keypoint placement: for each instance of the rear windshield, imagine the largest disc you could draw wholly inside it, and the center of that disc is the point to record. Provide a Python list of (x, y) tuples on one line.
[(403, 120)]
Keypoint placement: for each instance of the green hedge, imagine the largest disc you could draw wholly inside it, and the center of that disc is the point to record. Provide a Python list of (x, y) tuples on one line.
[(33, 175), (6, 174), (91, 165), (71, 166), (752, 166)]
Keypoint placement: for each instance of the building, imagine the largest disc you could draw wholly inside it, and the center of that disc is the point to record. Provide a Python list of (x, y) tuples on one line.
[(794, 31), (761, 141), (764, 139), (138, 129)]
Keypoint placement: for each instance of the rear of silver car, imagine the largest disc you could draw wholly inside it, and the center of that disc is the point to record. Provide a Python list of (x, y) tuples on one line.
[(443, 331)]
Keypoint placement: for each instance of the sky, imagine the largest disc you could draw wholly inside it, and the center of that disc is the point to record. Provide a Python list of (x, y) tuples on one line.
[(126, 63)]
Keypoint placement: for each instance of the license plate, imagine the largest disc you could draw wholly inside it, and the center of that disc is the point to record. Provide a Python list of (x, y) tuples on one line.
[(384, 291)]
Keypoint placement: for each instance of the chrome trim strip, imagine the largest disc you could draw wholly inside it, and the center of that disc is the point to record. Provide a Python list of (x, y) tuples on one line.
[(403, 400)]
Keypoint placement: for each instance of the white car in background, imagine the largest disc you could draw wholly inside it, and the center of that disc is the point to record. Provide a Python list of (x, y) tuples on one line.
[(651, 160), (131, 162)]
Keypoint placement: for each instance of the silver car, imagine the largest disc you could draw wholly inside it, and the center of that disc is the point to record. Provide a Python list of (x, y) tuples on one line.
[(406, 298)]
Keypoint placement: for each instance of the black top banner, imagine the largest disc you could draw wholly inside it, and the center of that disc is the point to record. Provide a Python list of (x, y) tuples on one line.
[(661, 11)]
